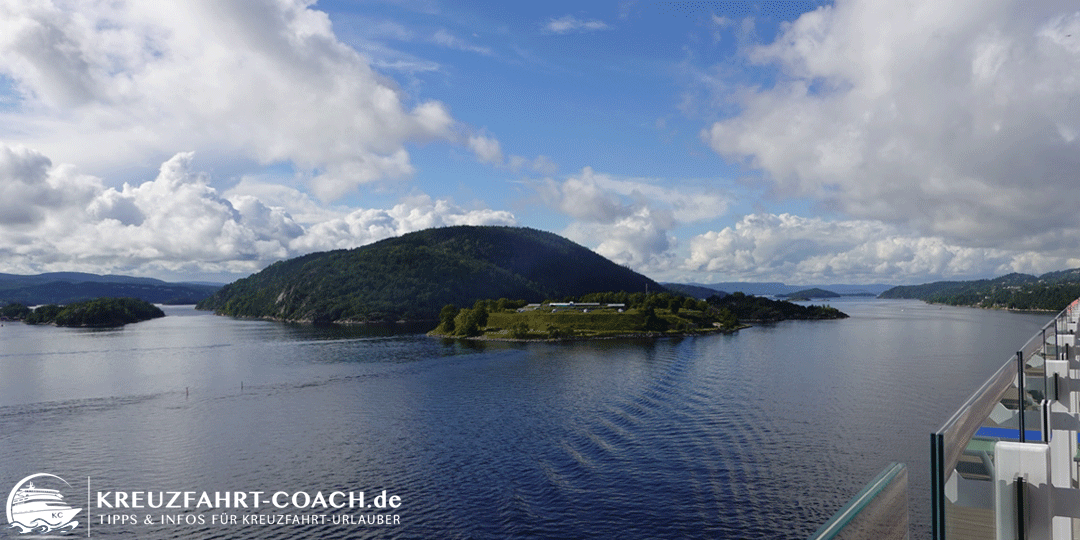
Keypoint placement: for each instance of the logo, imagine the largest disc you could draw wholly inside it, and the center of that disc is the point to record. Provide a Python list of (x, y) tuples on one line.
[(38, 509)]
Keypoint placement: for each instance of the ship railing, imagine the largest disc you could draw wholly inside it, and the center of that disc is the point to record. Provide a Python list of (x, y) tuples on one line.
[(879, 511), (1003, 465)]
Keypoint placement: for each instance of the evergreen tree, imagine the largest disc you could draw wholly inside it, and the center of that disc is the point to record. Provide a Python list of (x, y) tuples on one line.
[(446, 318)]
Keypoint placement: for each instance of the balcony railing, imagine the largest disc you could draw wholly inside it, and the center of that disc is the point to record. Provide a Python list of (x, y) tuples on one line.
[(983, 460), (879, 511), (1004, 466)]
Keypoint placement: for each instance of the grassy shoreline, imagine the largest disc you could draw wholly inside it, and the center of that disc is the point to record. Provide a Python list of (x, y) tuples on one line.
[(554, 324), (634, 335)]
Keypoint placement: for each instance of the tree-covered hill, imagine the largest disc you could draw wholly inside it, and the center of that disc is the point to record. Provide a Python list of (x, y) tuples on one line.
[(749, 308), (101, 312), (413, 276), (1052, 291), (815, 292), (693, 291)]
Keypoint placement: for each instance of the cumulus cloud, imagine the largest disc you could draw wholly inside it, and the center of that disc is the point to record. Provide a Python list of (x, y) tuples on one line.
[(300, 205), (958, 119), (487, 149), (364, 226), (30, 188), (632, 217), (177, 222), (267, 81), (638, 240), (569, 23), (599, 197), (811, 250)]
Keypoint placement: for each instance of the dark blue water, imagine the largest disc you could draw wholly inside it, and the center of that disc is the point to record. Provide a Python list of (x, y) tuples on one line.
[(760, 434)]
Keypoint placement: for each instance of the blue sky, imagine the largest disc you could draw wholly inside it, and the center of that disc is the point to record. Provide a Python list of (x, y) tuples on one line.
[(797, 141)]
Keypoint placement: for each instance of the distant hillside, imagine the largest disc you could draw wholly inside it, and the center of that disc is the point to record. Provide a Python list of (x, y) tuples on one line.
[(412, 277), (1052, 291), (69, 287), (693, 291), (812, 293), (749, 308), (776, 288)]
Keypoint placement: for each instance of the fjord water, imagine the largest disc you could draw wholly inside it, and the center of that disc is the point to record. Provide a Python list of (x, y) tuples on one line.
[(759, 434)]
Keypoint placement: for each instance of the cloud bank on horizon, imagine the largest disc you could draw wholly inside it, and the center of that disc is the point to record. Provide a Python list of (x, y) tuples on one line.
[(853, 141)]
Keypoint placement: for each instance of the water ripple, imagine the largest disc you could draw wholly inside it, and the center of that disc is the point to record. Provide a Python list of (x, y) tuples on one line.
[(762, 434)]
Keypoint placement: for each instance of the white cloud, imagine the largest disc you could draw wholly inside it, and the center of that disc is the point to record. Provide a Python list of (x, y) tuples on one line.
[(301, 206), (486, 148), (444, 38), (629, 220), (364, 226), (638, 240), (29, 188), (541, 164), (810, 250), (599, 197), (584, 198), (954, 118), (544, 165), (569, 23), (178, 223), (164, 223), (266, 81)]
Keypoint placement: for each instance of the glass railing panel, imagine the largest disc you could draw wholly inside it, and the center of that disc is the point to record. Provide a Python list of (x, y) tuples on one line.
[(879, 511), (962, 451), (962, 457), (1034, 387)]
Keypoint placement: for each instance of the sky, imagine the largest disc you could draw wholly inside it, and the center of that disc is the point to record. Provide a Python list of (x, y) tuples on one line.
[(808, 142)]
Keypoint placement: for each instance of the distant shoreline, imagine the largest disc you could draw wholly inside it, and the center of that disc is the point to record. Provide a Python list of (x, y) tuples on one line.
[(339, 322), (976, 306)]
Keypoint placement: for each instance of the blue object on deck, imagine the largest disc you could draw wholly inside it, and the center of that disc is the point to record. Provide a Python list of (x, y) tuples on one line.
[(1011, 434)]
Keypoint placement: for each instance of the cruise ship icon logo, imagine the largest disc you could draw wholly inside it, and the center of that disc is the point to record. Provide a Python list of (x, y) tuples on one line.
[(35, 509)]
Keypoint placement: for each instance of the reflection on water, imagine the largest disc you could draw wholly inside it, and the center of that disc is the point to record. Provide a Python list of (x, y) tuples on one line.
[(763, 433)]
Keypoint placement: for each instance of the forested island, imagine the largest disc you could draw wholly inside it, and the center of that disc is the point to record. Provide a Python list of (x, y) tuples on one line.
[(521, 283), (617, 315), (411, 277), (99, 313), (807, 294), (1049, 292), (748, 308)]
